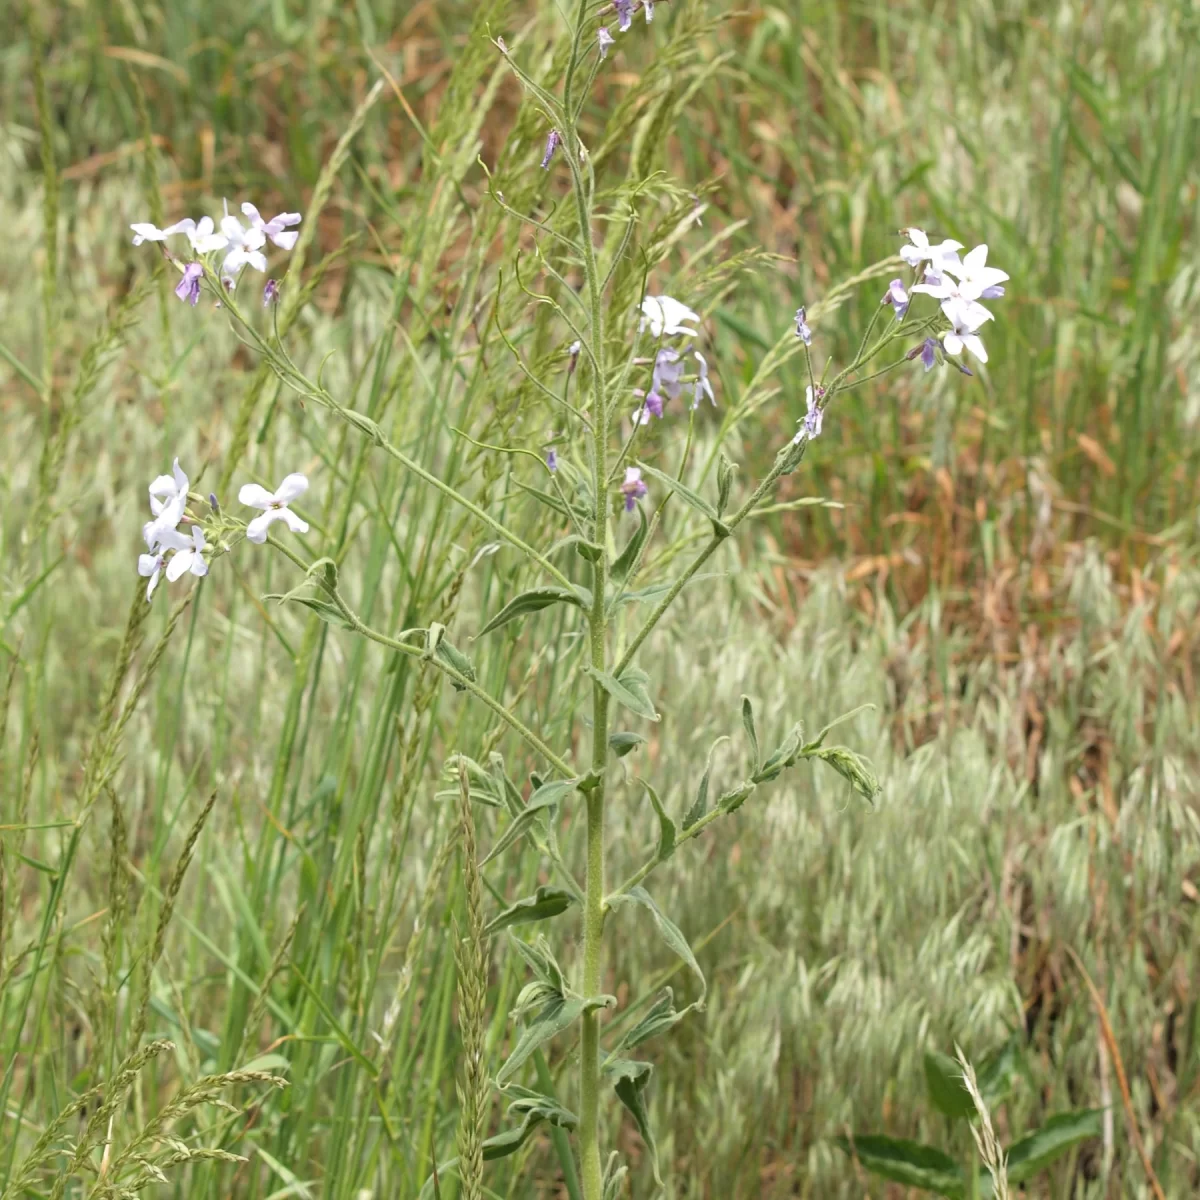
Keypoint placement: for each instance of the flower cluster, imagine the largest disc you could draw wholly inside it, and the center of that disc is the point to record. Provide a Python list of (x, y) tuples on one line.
[(665, 317), (959, 283), (242, 245), (176, 553)]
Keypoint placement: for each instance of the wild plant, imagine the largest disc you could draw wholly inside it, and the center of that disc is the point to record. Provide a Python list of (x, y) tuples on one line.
[(638, 494)]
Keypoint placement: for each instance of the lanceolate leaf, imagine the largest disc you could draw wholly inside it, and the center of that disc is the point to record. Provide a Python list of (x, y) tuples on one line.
[(666, 827), (661, 1015), (1037, 1150), (623, 564), (558, 1015), (546, 797), (545, 903), (668, 931), (630, 1079), (534, 1108), (534, 601), (908, 1162), (700, 804), (629, 690), (691, 499), (944, 1083), (751, 732)]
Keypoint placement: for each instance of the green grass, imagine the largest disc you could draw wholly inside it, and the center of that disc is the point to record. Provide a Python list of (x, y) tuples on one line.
[(1012, 582)]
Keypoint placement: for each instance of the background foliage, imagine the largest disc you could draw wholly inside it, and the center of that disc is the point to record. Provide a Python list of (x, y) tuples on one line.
[(1011, 580)]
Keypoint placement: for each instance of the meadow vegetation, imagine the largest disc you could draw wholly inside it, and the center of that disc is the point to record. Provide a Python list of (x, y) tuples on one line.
[(235, 908)]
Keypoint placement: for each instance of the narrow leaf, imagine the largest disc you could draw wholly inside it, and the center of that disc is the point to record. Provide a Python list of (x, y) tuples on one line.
[(630, 1080), (531, 602), (558, 1015), (666, 827), (907, 1162), (700, 805), (944, 1083), (1036, 1151), (691, 499), (668, 931), (661, 1016), (629, 690), (545, 903), (546, 797), (751, 732), (623, 564)]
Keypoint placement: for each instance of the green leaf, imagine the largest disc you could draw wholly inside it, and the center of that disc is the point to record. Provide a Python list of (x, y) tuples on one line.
[(944, 1083), (751, 732), (666, 827), (546, 797), (328, 612), (534, 601), (539, 958), (559, 1014), (700, 805), (661, 1016), (783, 756), (1036, 1151), (623, 564), (820, 738), (545, 903), (622, 743), (667, 930), (851, 767), (907, 1162), (733, 799), (996, 1073), (456, 660), (691, 499), (533, 1108), (630, 1080), (630, 690), (725, 472)]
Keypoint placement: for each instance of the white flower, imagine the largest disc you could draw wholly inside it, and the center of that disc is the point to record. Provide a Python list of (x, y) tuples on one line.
[(274, 505), (975, 275), (963, 336), (702, 387), (245, 246), (151, 565), (143, 231), (961, 296), (188, 556), (276, 228), (663, 315), (921, 251), (168, 499)]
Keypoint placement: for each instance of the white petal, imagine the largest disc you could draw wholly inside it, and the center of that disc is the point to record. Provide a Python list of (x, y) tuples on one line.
[(179, 564), (292, 488), (151, 586), (255, 239), (234, 261), (163, 485), (976, 259), (172, 539), (953, 343), (941, 290), (918, 238), (294, 523), (187, 225), (143, 231), (231, 227), (147, 564), (181, 480), (975, 346), (198, 542), (255, 216), (255, 495), (257, 260), (285, 240), (256, 531)]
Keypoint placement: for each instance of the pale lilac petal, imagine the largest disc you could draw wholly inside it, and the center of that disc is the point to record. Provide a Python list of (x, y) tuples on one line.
[(975, 346), (180, 564), (255, 495), (257, 260), (256, 531), (255, 216), (292, 488), (232, 228), (285, 240), (953, 343), (148, 564), (294, 523), (143, 231), (163, 485)]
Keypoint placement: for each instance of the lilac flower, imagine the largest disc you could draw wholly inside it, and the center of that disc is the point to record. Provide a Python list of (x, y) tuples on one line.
[(665, 315), (810, 424), (274, 505), (802, 330), (897, 297), (551, 145), (652, 407), (668, 372), (926, 351), (150, 565), (276, 228), (245, 246), (270, 292), (633, 488), (962, 336), (920, 250), (702, 387), (624, 13), (188, 557), (605, 39), (188, 288), (962, 296), (552, 461)]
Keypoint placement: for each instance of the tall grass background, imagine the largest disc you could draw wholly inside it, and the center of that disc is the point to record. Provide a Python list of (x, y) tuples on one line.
[(1008, 573)]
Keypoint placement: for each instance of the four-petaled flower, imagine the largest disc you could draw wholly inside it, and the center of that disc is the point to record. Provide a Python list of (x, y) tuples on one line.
[(962, 336), (605, 39), (245, 246), (274, 505), (633, 488), (920, 250), (551, 145), (276, 228), (188, 288), (810, 423), (702, 387), (664, 316), (168, 499), (187, 557), (150, 565), (962, 296), (974, 274), (624, 13), (897, 297), (802, 330)]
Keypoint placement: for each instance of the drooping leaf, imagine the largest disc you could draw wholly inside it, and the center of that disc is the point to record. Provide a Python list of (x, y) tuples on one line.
[(622, 743), (660, 1017), (1037, 1150), (907, 1162), (700, 804), (668, 931), (630, 690), (623, 563), (851, 767), (539, 958), (559, 1014), (751, 732), (666, 827), (630, 1080), (545, 903), (325, 609), (546, 797), (944, 1083), (534, 601)]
